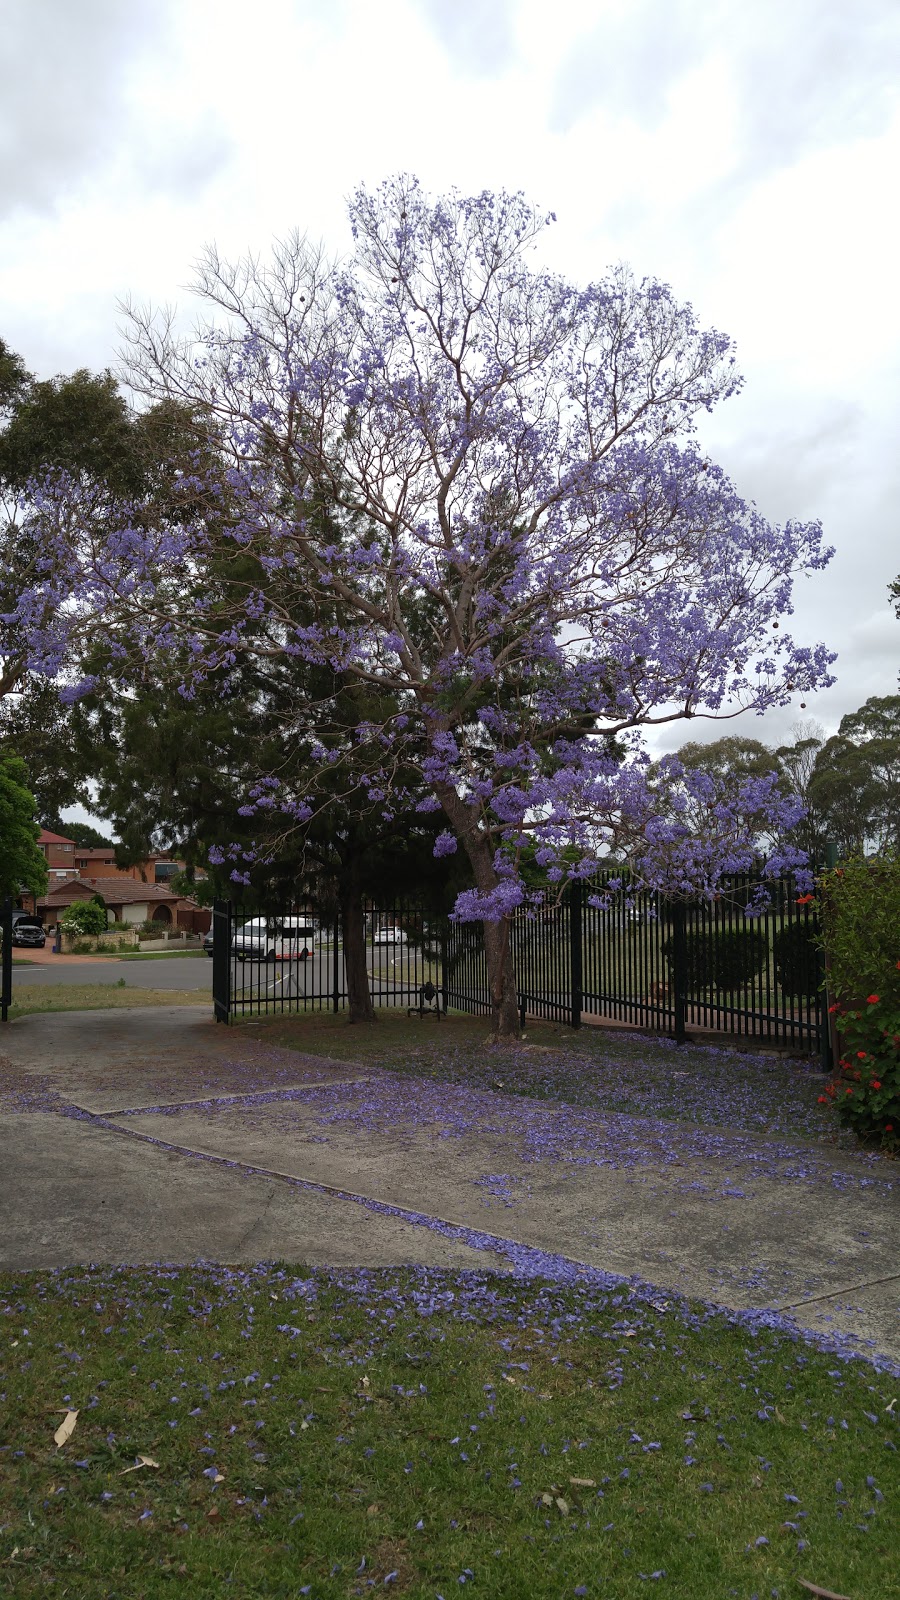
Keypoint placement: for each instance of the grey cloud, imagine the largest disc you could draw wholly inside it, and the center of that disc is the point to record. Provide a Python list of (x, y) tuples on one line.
[(476, 34), (181, 160), (627, 64), (65, 112), (789, 472), (806, 72)]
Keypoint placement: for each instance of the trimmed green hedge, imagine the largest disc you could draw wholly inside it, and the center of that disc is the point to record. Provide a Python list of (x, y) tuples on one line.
[(724, 960), (797, 968)]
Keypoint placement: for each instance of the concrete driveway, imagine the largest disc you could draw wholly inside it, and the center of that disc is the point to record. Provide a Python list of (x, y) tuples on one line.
[(152, 1135)]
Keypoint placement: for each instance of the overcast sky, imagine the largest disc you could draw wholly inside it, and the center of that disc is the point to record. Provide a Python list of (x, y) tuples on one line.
[(746, 151)]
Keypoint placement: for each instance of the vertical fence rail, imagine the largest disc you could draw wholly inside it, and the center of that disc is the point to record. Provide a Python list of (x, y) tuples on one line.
[(576, 964), (6, 926), (222, 960)]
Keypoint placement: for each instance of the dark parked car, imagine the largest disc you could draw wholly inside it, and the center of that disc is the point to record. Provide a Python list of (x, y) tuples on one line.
[(28, 933), (208, 942)]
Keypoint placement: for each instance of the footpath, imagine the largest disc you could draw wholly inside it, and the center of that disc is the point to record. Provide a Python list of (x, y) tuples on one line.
[(151, 1135)]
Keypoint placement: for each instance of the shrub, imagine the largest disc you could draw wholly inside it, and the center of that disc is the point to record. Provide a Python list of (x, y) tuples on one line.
[(861, 918), (722, 959), (797, 966), (84, 916)]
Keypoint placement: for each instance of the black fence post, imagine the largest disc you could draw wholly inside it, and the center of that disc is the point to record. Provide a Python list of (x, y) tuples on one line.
[(6, 979), (576, 948), (335, 984), (679, 970), (445, 962), (221, 926)]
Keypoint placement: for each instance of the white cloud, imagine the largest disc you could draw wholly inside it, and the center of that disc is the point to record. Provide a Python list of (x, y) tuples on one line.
[(746, 153)]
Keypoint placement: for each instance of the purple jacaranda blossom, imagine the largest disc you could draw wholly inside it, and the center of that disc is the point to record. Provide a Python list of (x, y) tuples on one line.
[(526, 551)]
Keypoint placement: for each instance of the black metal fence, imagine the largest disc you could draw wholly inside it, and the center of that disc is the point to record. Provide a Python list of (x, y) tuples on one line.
[(6, 949), (602, 953), (292, 960)]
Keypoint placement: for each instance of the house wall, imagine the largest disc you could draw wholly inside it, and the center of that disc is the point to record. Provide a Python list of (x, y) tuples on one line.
[(60, 855)]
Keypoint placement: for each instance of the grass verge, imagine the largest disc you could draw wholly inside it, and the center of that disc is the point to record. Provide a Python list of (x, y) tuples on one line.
[(160, 955), (95, 997), (412, 1431)]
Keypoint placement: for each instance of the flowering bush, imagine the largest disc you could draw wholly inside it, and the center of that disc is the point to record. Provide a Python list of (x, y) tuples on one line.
[(84, 916), (861, 911)]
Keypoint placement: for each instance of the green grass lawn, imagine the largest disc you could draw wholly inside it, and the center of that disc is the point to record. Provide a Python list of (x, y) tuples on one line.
[(94, 997), (417, 1432), (160, 955)]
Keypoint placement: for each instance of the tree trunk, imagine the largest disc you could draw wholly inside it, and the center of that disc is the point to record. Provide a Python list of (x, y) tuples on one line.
[(502, 979), (359, 996), (497, 947)]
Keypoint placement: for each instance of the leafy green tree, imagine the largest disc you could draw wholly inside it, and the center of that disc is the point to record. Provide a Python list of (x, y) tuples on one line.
[(80, 832), (797, 762), (81, 424), (855, 785), (35, 725), (731, 756), (22, 865)]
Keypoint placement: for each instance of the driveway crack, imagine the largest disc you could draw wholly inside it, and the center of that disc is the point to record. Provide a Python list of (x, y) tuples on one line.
[(256, 1222)]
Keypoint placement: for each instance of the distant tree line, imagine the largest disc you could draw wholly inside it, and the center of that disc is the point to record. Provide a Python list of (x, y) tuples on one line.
[(849, 783)]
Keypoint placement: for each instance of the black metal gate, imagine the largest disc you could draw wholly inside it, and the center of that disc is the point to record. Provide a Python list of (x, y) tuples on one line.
[(290, 959)]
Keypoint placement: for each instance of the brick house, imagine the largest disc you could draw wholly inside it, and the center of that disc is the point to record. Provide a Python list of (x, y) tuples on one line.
[(58, 852), (100, 862), (126, 901)]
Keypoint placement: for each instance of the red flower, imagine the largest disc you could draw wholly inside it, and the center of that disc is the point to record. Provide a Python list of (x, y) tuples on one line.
[(861, 1055), (876, 1083), (807, 900), (823, 1099), (833, 1009), (871, 999), (848, 1091), (889, 1127)]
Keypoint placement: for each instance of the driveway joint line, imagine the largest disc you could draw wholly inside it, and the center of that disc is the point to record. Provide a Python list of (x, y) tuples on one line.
[(215, 1099), (831, 1294)]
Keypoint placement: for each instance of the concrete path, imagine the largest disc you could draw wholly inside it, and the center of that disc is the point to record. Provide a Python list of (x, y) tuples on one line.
[(153, 1135)]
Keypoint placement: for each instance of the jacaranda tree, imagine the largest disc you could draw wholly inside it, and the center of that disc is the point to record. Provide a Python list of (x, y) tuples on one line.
[(527, 554)]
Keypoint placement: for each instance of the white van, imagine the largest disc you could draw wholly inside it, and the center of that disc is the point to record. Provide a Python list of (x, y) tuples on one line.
[(275, 939)]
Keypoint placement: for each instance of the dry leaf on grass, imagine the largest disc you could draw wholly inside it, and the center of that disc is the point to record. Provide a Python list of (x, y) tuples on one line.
[(65, 1429), (824, 1594), (142, 1461), (583, 1483)]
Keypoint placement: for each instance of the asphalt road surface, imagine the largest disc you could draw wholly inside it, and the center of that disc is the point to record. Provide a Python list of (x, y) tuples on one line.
[(315, 976), (170, 973)]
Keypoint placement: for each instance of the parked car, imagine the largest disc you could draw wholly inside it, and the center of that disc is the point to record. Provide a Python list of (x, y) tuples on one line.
[(389, 936), (208, 942), (28, 933), (275, 939)]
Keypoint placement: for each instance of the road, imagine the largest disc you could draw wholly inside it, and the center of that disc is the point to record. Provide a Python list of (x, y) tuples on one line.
[(172, 972), (315, 976)]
